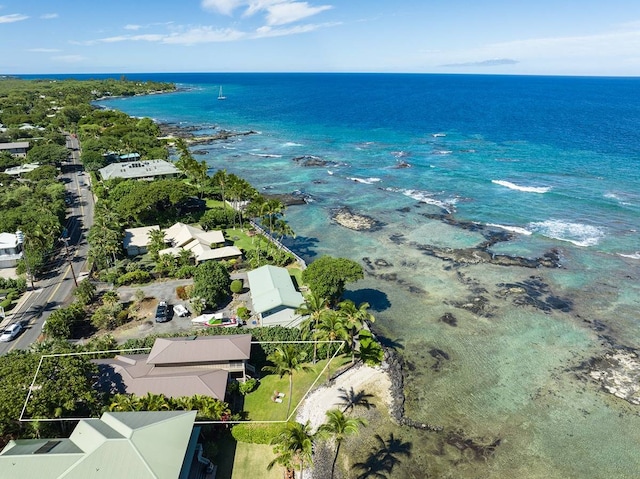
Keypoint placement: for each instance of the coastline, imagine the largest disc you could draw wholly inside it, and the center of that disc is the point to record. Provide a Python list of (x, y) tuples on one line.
[(510, 337)]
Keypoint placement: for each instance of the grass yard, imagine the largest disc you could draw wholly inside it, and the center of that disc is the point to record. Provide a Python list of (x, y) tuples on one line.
[(260, 406), (239, 460)]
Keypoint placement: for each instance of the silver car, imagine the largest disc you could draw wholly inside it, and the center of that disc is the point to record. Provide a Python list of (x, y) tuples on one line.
[(10, 332)]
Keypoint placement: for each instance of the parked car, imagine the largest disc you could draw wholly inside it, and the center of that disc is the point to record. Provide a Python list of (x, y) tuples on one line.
[(162, 312), (181, 310), (10, 332)]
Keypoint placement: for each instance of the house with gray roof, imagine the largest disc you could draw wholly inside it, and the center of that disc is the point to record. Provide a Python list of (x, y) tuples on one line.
[(16, 148), (140, 170), (274, 297), (123, 445), (179, 367)]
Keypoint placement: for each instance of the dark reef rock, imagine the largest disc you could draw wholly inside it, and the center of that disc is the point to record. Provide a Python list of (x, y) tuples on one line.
[(289, 199), (440, 356), (345, 217), (478, 305), (449, 319), (534, 292), (311, 160)]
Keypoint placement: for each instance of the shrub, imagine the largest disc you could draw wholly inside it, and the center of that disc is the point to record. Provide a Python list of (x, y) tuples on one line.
[(181, 292), (236, 286), (248, 386), (255, 433), (137, 276), (243, 313)]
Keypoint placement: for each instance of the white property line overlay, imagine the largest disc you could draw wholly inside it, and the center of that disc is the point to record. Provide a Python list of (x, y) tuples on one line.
[(83, 353)]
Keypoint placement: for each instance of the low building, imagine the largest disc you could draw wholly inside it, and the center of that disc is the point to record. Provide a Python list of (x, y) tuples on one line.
[(140, 170), (274, 296), (123, 445), (17, 149), (136, 240), (10, 249), (204, 245), (180, 367), (21, 169)]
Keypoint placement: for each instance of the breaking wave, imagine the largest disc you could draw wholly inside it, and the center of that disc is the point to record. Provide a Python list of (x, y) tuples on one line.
[(527, 189), (576, 233)]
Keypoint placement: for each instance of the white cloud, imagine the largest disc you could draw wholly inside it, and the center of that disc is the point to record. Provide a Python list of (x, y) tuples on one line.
[(13, 17), (69, 58), (133, 38), (226, 7), (207, 34), (277, 12), (289, 12), (132, 27), (268, 31), (43, 50), (49, 16)]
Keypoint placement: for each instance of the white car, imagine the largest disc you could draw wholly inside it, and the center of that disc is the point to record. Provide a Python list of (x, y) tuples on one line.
[(180, 310), (10, 333)]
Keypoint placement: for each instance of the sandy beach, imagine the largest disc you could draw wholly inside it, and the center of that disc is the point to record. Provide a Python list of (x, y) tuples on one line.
[(371, 380)]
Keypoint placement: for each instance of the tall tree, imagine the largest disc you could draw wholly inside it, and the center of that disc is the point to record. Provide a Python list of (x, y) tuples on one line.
[(286, 361), (211, 282), (354, 318), (327, 276), (313, 308), (338, 427), (293, 447)]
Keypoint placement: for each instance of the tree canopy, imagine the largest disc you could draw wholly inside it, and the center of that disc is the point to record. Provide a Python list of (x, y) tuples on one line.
[(327, 276), (211, 282)]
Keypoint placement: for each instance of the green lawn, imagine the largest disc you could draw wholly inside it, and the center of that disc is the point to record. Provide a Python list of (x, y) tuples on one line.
[(259, 405)]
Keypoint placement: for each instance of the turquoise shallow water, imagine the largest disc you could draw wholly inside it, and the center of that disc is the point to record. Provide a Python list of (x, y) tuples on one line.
[(553, 159)]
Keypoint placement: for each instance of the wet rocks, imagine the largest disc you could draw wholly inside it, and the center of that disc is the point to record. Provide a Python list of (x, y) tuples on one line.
[(478, 305), (618, 372), (347, 218), (440, 356), (311, 160), (288, 199), (395, 364), (534, 292), (449, 319)]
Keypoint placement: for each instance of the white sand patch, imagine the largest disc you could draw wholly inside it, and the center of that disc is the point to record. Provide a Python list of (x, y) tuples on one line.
[(371, 380)]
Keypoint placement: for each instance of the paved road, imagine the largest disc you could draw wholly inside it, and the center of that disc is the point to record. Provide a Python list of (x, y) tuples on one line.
[(55, 288)]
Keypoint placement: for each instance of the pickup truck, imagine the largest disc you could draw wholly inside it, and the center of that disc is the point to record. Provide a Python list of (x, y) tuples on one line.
[(180, 310)]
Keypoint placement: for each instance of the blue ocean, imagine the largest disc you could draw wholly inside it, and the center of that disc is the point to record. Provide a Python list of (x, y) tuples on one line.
[(443, 162)]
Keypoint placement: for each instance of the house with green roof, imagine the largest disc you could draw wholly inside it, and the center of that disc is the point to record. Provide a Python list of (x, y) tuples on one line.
[(122, 445), (274, 296)]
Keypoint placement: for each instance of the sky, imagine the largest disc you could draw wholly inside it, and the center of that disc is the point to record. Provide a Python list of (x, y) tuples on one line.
[(536, 37)]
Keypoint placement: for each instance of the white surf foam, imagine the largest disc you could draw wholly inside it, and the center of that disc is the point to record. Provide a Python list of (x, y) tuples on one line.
[(513, 229), (426, 197), (291, 143), (527, 189), (439, 135), (367, 181), (578, 234), (635, 255)]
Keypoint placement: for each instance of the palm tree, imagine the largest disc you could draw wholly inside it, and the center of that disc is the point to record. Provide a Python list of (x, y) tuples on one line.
[(350, 399), (286, 361), (125, 402), (185, 257), (110, 298), (330, 328), (220, 179), (156, 242), (339, 426), (313, 307), (154, 402), (293, 446), (354, 320)]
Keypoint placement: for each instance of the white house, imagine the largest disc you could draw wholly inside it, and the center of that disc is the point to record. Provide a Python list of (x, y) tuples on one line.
[(136, 240), (274, 296), (10, 249)]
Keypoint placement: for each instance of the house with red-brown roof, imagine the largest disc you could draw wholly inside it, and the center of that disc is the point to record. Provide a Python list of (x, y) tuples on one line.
[(179, 367)]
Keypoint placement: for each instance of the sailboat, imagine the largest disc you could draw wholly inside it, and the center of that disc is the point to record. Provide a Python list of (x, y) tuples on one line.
[(220, 95)]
